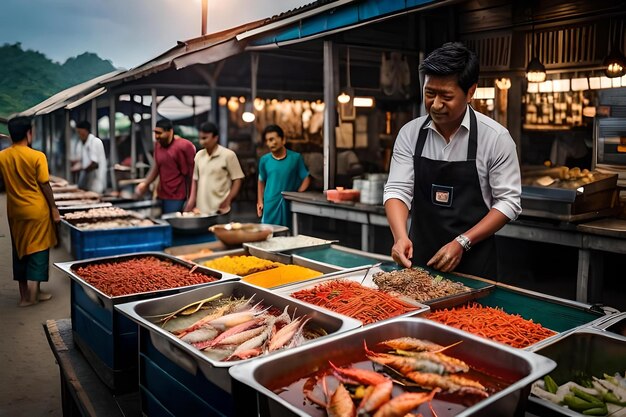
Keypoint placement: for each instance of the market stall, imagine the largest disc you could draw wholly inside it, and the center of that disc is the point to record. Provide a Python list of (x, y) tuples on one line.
[(177, 354)]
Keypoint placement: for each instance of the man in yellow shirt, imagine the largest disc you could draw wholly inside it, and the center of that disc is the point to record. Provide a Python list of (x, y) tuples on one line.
[(217, 175), (31, 211)]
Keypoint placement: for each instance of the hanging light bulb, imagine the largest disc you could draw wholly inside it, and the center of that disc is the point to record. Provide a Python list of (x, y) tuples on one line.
[(259, 104), (248, 114), (344, 97), (615, 62), (347, 93), (535, 70)]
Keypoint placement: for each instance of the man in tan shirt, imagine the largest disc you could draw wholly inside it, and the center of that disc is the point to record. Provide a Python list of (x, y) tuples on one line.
[(217, 175)]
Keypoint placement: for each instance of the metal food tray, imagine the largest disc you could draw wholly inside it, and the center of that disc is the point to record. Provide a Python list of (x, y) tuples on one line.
[(107, 301), (257, 247), (521, 366), (188, 357), (365, 276), (613, 324), (358, 274), (557, 314), (596, 352), (325, 269), (341, 256)]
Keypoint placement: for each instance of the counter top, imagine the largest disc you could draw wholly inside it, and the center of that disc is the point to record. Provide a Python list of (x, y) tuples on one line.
[(610, 226), (318, 198)]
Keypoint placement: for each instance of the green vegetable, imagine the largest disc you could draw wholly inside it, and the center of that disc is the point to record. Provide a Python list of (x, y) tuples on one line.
[(586, 396), (551, 386), (583, 378), (578, 404), (610, 397), (598, 411)]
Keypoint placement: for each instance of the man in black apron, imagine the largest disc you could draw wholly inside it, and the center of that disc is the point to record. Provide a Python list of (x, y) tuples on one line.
[(466, 180)]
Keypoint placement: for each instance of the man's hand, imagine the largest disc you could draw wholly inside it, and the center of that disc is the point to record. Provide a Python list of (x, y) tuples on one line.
[(141, 188), (259, 209), (224, 206), (402, 252), (448, 257), (56, 216)]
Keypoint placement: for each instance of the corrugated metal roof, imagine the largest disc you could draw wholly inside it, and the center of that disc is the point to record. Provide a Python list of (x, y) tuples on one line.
[(329, 18), (63, 97), (203, 49)]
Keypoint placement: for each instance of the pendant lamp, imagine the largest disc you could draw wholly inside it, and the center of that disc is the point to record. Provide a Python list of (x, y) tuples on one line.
[(615, 62), (535, 70), (346, 93)]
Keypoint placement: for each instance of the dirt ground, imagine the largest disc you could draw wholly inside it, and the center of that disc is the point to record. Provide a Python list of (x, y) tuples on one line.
[(30, 376)]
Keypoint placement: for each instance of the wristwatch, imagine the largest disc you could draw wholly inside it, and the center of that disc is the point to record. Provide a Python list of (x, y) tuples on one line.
[(464, 242)]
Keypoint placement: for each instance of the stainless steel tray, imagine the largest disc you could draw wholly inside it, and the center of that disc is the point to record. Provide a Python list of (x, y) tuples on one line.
[(107, 301), (275, 257), (614, 325), (368, 258), (274, 244), (270, 256), (357, 274), (290, 366), (188, 357), (591, 350)]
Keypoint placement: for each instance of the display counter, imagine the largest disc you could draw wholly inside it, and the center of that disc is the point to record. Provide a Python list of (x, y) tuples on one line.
[(603, 235)]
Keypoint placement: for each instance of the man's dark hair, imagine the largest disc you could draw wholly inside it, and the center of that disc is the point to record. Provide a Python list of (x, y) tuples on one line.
[(273, 128), (208, 127), (453, 58), (84, 124), (19, 126), (165, 124)]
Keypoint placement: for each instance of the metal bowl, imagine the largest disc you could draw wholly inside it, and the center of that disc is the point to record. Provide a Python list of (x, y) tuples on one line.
[(232, 234), (190, 223)]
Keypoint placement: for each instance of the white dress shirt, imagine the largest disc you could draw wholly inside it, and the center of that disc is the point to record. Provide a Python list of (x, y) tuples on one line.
[(496, 161)]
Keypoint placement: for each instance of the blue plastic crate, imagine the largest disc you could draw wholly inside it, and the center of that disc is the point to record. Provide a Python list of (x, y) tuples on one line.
[(167, 389), (107, 242), (107, 338)]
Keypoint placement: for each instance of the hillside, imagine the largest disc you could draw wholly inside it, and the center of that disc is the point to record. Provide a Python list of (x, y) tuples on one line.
[(28, 77)]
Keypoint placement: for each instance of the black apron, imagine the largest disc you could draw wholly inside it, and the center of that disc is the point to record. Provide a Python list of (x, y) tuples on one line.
[(447, 201)]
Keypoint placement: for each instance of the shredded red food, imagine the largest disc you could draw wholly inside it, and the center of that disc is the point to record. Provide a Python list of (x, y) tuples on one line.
[(493, 323), (354, 300), (139, 275)]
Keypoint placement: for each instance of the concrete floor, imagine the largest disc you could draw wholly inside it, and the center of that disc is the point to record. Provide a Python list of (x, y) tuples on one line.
[(30, 377)]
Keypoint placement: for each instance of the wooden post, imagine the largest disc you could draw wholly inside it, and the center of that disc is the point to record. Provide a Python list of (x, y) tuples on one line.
[(112, 142)]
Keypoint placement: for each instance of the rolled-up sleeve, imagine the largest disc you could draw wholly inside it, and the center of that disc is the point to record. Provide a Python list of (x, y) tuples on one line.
[(505, 178), (401, 172)]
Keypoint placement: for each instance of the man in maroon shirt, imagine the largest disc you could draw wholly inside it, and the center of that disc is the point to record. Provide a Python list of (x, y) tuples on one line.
[(173, 164)]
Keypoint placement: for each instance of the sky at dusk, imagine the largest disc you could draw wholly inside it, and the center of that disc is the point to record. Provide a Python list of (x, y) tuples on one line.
[(127, 32)]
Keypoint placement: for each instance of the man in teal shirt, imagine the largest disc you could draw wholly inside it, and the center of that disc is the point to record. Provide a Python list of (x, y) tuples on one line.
[(280, 170)]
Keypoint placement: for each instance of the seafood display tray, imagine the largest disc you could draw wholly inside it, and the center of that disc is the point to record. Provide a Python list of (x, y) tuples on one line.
[(494, 358), (85, 244), (596, 352), (358, 274), (275, 257), (342, 256), (176, 354), (554, 313), (109, 339)]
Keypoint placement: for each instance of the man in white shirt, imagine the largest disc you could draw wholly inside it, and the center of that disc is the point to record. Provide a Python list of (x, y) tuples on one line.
[(457, 172), (93, 162), (217, 174)]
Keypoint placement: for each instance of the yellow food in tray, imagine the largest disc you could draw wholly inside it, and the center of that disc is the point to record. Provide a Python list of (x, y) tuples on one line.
[(285, 274), (241, 265)]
